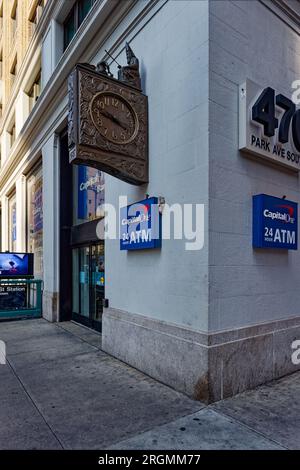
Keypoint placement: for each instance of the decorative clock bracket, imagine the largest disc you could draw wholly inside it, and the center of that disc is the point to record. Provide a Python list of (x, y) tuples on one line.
[(108, 120)]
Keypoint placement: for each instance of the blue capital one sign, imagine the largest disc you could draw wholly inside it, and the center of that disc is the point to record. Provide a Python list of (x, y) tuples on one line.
[(275, 223), (140, 225)]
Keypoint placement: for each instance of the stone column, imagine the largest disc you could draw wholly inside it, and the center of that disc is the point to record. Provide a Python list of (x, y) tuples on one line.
[(5, 146), (4, 223), (50, 153), (52, 50)]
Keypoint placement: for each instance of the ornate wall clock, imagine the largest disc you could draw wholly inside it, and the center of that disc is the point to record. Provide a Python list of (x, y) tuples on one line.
[(114, 117), (108, 120)]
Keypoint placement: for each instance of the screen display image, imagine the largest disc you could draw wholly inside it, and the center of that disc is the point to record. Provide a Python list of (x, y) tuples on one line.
[(16, 265)]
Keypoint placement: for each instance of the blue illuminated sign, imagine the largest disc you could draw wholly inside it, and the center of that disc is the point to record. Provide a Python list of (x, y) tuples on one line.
[(140, 225), (275, 223)]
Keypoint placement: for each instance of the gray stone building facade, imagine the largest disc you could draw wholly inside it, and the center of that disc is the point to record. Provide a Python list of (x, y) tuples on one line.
[(211, 322), (221, 320)]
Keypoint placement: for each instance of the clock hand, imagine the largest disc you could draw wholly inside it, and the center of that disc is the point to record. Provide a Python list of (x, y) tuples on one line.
[(122, 124), (113, 118)]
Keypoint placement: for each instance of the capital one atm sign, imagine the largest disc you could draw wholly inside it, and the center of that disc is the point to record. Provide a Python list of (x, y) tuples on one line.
[(140, 225), (275, 222), (269, 125)]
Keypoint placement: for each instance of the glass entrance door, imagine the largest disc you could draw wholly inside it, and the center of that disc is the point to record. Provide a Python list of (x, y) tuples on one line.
[(97, 284), (88, 285), (84, 280)]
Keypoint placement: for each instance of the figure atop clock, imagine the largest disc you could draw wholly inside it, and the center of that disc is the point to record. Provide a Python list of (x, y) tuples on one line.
[(130, 73), (108, 119)]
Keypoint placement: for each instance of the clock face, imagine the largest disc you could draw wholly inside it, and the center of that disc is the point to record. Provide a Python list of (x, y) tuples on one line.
[(114, 117)]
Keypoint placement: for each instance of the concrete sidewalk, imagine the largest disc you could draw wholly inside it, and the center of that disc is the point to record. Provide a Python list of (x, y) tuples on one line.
[(58, 390)]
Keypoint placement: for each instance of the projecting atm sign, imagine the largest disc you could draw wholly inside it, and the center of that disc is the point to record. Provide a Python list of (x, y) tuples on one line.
[(140, 225), (275, 222)]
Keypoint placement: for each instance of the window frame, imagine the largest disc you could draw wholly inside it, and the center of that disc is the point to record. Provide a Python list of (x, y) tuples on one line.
[(14, 14), (71, 13), (35, 175), (13, 71), (31, 95), (75, 13), (11, 130), (12, 200)]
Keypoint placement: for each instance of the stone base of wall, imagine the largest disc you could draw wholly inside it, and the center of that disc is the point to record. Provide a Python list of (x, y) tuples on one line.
[(207, 367), (50, 306)]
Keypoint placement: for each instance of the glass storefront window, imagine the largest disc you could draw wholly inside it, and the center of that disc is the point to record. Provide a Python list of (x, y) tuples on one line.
[(35, 220), (88, 184), (12, 208)]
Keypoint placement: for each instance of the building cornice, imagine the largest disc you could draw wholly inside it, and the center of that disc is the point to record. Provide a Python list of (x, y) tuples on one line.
[(56, 88), (287, 10), (35, 43)]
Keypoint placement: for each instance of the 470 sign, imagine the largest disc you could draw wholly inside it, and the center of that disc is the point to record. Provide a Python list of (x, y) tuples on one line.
[(269, 125)]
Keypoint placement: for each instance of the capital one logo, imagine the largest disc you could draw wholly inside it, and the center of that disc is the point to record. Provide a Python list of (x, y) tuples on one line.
[(286, 217), (2, 353)]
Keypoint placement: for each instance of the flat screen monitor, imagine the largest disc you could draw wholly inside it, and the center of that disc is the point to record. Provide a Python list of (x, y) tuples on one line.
[(16, 265)]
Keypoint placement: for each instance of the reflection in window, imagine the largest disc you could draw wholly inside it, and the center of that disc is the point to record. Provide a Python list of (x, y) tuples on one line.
[(84, 7), (1, 67), (1, 81), (35, 220), (88, 194), (12, 133), (34, 91), (12, 226), (36, 15), (75, 19), (13, 71), (14, 20), (69, 29)]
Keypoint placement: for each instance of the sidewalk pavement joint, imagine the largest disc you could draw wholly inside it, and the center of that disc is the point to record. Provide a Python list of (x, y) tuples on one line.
[(60, 390)]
